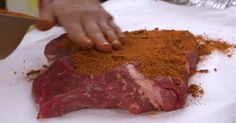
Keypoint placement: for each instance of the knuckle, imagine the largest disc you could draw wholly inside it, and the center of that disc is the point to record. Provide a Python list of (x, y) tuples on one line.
[(87, 13), (93, 28), (55, 4), (110, 33), (76, 35), (105, 26), (90, 12), (114, 25), (87, 18), (106, 16), (105, 13), (98, 34), (71, 13), (117, 29)]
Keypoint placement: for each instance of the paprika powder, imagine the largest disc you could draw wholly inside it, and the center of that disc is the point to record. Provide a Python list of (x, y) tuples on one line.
[(153, 52)]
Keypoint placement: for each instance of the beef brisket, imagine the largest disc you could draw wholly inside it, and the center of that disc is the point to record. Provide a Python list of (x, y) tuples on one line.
[(142, 77)]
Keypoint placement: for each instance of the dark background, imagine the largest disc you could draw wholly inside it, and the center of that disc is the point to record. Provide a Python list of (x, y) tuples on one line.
[(2, 4)]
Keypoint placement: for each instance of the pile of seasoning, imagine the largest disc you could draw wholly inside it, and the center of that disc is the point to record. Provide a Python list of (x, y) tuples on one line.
[(155, 53)]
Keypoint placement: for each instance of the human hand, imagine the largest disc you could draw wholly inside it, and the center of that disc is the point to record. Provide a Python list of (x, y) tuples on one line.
[(86, 22)]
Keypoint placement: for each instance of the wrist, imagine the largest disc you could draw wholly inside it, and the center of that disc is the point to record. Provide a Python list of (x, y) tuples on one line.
[(43, 3)]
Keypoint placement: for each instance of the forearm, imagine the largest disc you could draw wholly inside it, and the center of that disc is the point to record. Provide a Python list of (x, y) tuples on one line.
[(45, 2)]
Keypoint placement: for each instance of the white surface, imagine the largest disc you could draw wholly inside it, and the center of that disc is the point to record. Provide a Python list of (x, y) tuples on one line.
[(216, 106)]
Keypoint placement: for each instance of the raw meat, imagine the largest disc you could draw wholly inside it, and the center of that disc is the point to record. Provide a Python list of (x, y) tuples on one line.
[(63, 88)]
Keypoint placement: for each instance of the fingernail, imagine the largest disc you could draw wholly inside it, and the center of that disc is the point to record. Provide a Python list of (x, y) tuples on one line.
[(123, 39), (105, 47), (45, 25), (87, 44), (116, 42), (88, 41), (116, 45), (105, 43)]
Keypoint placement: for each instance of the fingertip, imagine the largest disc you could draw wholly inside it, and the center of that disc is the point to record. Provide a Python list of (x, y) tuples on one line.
[(88, 44), (47, 19), (85, 44), (123, 40), (121, 36), (44, 25), (116, 45), (110, 35), (104, 47)]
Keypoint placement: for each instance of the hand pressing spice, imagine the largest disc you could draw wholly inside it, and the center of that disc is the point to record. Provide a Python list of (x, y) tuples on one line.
[(87, 23)]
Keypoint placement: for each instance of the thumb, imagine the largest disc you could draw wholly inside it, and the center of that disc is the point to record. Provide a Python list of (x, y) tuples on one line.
[(47, 19)]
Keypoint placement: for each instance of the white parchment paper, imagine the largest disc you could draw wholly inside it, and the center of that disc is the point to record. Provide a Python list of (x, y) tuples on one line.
[(218, 105)]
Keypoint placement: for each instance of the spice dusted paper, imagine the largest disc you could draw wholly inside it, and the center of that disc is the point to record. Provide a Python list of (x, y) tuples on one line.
[(217, 105)]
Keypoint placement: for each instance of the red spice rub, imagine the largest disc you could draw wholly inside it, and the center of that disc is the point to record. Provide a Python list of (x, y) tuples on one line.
[(155, 52)]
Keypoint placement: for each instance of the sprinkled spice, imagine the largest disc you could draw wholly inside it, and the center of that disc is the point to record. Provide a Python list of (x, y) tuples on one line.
[(32, 74), (215, 69), (199, 71), (229, 55), (192, 72), (203, 71), (45, 66), (207, 46), (195, 90)]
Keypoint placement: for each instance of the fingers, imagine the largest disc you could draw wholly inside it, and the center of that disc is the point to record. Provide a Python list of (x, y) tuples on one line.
[(47, 19), (85, 27), (44, 25), (110, 34), (78, 36), (99, 34), (96, 35), (118, 31)]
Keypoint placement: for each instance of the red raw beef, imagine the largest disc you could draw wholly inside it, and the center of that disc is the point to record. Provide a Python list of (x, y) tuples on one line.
[(61, 89)]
